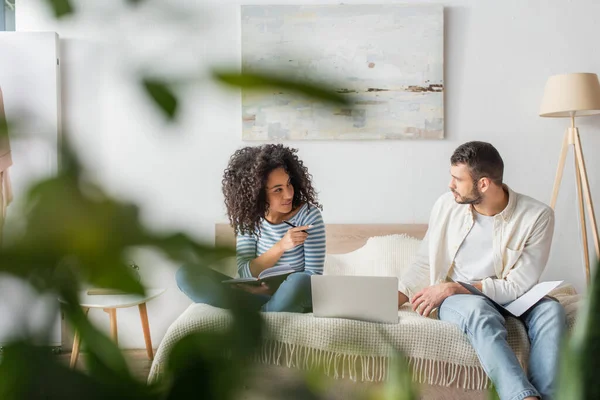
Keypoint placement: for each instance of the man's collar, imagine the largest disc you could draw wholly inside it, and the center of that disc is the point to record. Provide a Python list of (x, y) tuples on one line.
[(508, 210), (512, 202)]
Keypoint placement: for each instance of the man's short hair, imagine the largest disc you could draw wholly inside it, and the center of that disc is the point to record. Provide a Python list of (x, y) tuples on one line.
[(483, 161)]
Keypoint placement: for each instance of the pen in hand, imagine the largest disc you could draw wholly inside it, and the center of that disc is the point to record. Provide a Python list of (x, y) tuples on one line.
[(294, 226)]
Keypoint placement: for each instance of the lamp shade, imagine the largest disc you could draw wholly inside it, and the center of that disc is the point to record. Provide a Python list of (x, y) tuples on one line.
[(566, 94)]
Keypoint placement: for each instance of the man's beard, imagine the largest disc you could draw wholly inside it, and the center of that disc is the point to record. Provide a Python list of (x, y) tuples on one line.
[(475, 197)]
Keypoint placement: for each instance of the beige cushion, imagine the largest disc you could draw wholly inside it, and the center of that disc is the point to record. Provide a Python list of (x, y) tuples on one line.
[(380, 256)]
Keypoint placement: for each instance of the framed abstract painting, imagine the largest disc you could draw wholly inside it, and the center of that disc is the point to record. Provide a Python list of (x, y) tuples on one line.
[(388, 60)]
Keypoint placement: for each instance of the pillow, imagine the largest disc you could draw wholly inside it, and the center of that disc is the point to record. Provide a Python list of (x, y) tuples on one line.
[(380, 256)]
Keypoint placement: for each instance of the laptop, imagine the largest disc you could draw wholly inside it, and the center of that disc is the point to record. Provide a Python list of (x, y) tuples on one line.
[(365, 298)]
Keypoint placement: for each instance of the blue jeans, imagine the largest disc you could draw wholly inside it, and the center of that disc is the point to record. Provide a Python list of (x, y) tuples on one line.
[(204, 285), (484, 325)]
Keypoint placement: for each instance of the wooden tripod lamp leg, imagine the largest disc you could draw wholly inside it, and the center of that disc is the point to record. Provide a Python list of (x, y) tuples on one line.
[(587, 194), (560, 168), (586, 255)]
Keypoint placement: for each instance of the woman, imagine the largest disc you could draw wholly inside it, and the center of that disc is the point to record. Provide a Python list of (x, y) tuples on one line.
[(266, 189)]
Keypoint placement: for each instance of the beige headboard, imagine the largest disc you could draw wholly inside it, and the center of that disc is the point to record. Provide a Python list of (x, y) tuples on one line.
[(341, 238)]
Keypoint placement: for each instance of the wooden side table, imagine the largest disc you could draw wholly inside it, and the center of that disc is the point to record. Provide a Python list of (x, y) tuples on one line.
[(109, 303)]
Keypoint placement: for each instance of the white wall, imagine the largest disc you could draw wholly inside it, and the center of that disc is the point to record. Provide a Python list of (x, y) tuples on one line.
[(31, 68), (498, 56)]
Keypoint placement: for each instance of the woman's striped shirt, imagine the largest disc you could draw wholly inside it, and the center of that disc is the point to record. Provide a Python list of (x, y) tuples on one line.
[(308, 257)]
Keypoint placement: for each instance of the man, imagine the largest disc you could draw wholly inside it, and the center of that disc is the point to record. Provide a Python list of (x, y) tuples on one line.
[(484, 233)]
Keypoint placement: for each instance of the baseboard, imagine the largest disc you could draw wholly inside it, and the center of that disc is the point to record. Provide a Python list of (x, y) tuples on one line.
[(50, 348)]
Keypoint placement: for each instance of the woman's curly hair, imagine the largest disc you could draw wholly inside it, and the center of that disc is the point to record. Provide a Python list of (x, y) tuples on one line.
[(245, 180)]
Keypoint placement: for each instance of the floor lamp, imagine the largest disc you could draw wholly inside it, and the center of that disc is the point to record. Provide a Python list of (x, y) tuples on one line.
[(570, 96)]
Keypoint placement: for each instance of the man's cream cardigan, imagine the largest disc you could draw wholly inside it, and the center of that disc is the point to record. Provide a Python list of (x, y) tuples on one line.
[(522, 238)]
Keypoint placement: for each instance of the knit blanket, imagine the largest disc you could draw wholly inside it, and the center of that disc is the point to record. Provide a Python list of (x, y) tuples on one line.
[(438, 352)]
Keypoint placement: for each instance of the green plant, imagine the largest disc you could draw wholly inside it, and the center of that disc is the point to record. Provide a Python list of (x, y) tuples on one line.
[(581, 353), (75, 233)]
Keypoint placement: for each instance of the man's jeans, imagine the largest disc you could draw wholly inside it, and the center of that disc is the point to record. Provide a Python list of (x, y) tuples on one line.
[(484, 325), (204, 286)]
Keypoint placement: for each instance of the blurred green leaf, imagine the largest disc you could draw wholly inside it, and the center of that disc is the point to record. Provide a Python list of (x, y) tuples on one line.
[(75, 233), (61, 8), (492, 393), (400, 385), (30, 372), (69, 221), (581, 355), (135, 2), (179, 247), (162, 96), (590, 341), (258, 81), (69, 163), (247, 329), (64, 224), (570, 379), (201, 365)]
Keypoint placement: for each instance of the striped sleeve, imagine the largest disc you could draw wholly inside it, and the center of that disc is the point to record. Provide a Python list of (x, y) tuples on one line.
[(314, 245), (245, 252)]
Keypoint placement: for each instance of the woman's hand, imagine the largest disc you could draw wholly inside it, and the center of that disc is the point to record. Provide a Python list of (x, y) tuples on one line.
[(263, 289), (294, 237)]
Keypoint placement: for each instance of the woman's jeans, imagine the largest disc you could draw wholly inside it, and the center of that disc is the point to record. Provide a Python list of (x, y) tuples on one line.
[(484, 325), (204, 285)]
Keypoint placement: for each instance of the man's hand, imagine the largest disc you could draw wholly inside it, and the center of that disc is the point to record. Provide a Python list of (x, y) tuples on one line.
[(263, 289), (432, 296)]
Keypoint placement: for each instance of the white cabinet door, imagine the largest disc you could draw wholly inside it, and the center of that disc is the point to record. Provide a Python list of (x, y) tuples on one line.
[(29, 80)]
